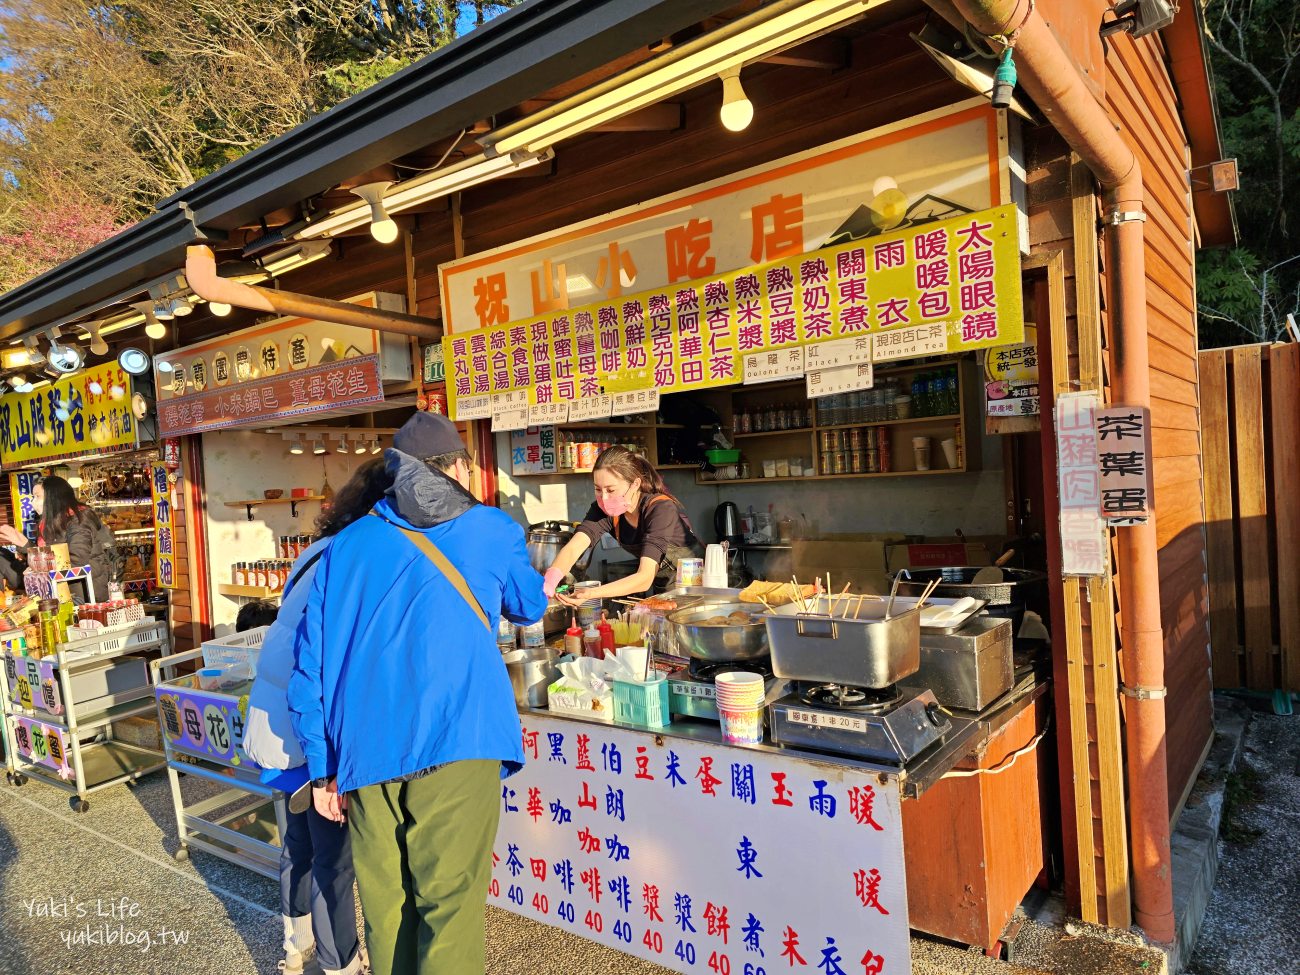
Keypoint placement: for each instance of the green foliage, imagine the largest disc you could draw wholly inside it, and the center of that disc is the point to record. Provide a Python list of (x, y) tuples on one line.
[(1245, 293)]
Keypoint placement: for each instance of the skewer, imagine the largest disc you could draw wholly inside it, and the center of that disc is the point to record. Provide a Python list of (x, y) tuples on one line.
[(934, 584), (858, 608), (767, 605), (837, 599), (798, 593)]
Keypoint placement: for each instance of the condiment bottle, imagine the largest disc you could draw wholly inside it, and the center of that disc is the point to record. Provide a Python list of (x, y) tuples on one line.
[(606, 631), (591, 642), (573, 638)]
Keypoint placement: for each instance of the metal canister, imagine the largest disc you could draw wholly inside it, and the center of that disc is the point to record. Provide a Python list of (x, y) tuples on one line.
[(827, 438), (856, 439), (839, 462), (586, 455), (690, 572), (857, 461), (826, 461), (873, 461)]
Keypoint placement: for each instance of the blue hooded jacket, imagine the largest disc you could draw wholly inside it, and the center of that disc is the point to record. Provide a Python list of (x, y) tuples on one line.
[(394, 672)]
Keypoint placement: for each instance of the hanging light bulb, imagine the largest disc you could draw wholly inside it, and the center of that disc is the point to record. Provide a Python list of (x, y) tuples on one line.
[(382, 227), (155, 329), (359, 447), (737, 109), (97, 343), (219, 308), (342, 448), (74, 479), (163, 311), (61, 411), (296, 447), (318, 448), (376, 447), (181, 307)]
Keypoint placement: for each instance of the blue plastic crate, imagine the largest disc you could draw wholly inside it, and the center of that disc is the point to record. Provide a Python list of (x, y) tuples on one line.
[(643, 704)]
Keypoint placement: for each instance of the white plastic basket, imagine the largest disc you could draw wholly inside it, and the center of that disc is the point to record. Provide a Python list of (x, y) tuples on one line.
[(135, 636), (236, 648)]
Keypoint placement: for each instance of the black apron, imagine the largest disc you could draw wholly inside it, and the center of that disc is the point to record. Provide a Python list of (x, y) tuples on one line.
[(666, 571)]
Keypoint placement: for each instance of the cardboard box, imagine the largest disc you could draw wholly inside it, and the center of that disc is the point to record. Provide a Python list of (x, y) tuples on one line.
[(934, 553), (860, 560)]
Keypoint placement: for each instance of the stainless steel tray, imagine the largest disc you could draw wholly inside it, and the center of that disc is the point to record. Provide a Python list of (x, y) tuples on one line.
[(861, 649)]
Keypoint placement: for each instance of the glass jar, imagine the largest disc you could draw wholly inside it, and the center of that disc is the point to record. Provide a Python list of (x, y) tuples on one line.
[(741, 424)]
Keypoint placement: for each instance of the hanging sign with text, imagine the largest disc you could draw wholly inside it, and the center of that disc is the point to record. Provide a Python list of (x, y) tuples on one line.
[(164, 520), (89, 413), (344, 384), (1083, 531), (960, 277), (1124, 463), (22, 488), (532, 451), (582, 845)]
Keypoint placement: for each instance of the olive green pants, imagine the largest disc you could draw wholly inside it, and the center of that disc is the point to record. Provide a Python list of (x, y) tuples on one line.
[(422, 851)]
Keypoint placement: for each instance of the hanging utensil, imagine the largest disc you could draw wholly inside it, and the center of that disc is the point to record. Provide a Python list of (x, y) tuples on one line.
[(992, 575), (893, 591)]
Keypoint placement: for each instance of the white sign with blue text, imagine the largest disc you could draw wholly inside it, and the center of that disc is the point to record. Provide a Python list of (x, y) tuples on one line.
[(703, 857)]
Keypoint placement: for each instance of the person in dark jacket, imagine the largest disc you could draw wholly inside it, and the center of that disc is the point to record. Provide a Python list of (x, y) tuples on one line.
[(65, 520), (403, 704)]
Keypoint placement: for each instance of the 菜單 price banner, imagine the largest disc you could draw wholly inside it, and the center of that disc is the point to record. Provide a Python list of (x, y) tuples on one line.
[(948, 286), (164, 520), (702, 857), (86, 413)]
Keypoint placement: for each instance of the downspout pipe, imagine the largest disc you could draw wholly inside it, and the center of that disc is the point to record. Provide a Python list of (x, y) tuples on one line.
[(1052, 79), (201, 275)]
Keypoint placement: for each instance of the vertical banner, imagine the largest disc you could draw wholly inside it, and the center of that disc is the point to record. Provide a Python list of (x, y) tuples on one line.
[(679, 851), (1124, 463), (26, 517), (164, 517), (1083, 531)]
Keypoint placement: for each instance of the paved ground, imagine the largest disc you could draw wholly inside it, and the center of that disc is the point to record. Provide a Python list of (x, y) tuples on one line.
[(1251, 927), (109, 875)]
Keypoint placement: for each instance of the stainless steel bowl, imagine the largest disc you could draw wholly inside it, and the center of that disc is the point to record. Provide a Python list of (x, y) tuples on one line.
[(743, 641)]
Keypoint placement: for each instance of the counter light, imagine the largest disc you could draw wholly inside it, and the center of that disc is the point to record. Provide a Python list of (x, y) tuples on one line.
[(219, 308), (737, 110)]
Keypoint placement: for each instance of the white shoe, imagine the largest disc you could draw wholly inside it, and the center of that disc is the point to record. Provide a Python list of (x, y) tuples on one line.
[(295, 962), (299, 944), (358, 966)]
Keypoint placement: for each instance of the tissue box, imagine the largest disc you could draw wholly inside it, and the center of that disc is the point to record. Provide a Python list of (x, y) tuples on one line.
[(643, 704), (567, 697)]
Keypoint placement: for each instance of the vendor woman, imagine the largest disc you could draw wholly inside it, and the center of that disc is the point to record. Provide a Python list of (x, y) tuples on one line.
[(633, 505)]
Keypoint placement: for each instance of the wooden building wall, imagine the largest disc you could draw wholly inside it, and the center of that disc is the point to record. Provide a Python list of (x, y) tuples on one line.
[(1141, 97)]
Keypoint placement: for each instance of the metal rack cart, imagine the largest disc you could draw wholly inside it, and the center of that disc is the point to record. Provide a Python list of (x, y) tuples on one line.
[(59, 711), (203, 739)]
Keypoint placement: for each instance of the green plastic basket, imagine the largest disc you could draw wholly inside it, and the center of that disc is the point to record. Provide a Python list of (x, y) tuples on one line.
[(643, 704)]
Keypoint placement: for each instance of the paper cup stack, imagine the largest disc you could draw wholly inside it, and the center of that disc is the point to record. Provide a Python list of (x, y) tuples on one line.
[(740, 703)]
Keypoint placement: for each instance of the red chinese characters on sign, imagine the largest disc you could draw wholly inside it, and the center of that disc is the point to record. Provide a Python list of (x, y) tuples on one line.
[(490, 300), (978, 293), (777, 228), (852, 308), (1083, 537), (331, 386)]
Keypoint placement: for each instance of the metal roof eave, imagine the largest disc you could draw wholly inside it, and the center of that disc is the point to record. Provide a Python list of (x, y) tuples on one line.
[(142, 252), (516, 56)]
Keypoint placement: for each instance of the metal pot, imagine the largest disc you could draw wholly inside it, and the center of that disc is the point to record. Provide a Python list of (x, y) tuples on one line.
[(744, 641), (546, 538), (532, 671)]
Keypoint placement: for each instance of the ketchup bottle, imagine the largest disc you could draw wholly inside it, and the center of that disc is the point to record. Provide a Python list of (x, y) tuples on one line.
[(573, 638), (606, 635)]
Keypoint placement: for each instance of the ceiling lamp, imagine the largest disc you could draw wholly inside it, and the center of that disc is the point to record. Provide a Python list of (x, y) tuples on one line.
[(358, 447), (769, 29), (64, 358), (133, 361), (737, 110), (97, 343), (429, 186), (162, 311), (74, 479), (33, 345), (382, 227), (342, 448), (182, 307), (219, 308), (150, 315), (376, 446), (296, 447), (318, 448)]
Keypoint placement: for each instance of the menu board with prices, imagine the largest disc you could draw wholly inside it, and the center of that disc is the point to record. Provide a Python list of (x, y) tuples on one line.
[(581, 847), (948, 286)]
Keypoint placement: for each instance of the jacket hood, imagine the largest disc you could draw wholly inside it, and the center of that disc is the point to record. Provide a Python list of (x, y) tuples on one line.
[(420, 496)]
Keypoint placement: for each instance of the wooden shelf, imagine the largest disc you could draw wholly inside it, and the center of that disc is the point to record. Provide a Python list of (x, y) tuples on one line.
[(831, 477), (120, 503), (947, 417), (133, 531), (249, 592), (774, 433), (678, 467), (257, 502)]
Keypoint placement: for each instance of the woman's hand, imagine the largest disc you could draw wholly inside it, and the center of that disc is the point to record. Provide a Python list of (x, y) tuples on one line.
[(551, 580), (575, 601), (10, 535)]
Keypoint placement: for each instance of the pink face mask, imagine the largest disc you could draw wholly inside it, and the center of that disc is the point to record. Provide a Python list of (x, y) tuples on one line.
[(614, 505)]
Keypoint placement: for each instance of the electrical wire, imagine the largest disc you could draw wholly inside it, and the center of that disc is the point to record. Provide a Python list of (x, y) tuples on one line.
[(1006, 763), (428, 169)]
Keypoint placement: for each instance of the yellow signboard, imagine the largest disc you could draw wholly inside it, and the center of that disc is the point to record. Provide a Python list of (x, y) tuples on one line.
[(87, 413), (960, 276)]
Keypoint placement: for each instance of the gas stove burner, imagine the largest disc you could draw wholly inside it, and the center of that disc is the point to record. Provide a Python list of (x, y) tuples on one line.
[(845, 697), (708, 670)]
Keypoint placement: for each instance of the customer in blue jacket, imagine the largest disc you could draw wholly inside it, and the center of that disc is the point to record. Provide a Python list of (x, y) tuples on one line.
[(403, 704)]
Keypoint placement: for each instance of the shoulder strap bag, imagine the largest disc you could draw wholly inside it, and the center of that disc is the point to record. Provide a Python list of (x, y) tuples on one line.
[(449, 571)]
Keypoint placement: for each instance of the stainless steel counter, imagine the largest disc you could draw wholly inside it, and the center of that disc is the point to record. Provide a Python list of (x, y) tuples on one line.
[(970, 732)]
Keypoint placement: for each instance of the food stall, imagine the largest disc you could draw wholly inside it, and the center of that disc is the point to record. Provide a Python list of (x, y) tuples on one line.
[(826, 400)]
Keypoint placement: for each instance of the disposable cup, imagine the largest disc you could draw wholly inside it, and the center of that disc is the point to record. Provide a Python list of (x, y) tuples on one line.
[(635, 658), (950, 451), (742, 727), (739, 690), (921, 448)]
